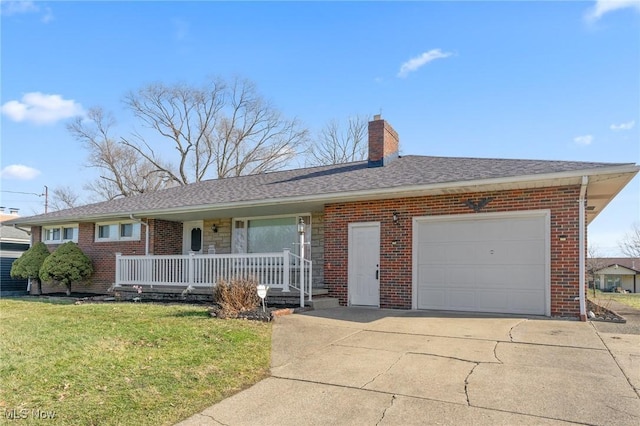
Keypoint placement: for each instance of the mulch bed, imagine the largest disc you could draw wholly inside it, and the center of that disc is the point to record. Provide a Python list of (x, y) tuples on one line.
[(269, 314), (601, 313)]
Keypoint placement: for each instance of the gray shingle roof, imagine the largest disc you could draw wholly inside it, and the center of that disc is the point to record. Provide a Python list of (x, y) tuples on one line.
[(404, 172), (14, 234), (628, 262)]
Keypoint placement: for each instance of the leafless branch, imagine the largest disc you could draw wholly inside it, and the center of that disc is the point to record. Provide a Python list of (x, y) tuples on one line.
[(340, 143), (630, 244)]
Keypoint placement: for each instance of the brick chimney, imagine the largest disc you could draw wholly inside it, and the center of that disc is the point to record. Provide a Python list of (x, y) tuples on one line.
[(383, 142)]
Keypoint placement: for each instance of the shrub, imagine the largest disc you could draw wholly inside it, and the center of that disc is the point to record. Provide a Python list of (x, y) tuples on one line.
[(28, 265), (67, 264), (235, 296)]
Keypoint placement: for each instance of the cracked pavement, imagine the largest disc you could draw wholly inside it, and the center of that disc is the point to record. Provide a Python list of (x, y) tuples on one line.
[(386, 367)]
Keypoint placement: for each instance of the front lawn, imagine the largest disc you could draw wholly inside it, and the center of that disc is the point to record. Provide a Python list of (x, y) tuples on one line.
[(630, 299), (122, 363)]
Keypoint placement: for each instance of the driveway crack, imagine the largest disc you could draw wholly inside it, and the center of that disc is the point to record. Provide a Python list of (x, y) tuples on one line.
[(214, 419), (384, 413), (512, 328), (383, 372), (616, 361), (495, 353), (466, 383)]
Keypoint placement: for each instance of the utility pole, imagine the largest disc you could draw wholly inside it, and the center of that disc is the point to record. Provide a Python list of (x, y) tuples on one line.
[(46, 199)]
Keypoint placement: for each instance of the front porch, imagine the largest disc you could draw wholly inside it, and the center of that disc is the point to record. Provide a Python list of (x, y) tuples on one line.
[(195, 275)]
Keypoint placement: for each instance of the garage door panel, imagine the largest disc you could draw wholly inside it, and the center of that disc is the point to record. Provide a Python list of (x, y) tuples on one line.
[(437, 232), (461, 277), (483, 264), (462, 299), (431, 254), (493, 301), (433, 274), (432, 298), (526, 302)]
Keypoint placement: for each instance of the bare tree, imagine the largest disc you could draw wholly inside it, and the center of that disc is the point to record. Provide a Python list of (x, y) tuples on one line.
[(63, 197), (339, 143), (123, 172), (630, 244), (229, 127), (595, 262)]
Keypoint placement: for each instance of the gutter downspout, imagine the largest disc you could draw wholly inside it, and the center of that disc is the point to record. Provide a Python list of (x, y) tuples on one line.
[(146, 234), (23, 230), (582, 240)]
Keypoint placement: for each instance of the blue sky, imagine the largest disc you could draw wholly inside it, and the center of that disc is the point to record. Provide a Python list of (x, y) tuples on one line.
[(536, 80)]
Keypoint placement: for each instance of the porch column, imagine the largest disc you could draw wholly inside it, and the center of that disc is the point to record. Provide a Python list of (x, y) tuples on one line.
[(117, 277), (192, 268), (286, 262)]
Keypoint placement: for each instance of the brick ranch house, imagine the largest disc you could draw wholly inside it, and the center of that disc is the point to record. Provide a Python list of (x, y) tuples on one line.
[(406, 232)]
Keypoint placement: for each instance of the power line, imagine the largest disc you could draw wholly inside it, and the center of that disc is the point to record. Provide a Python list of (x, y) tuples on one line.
[(45, 194)]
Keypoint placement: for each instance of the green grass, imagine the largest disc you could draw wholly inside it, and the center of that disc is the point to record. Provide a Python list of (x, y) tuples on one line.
[(123, 363), (630, 299)]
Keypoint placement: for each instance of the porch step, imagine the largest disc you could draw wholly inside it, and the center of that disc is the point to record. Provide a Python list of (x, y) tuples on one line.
[(324, 303)]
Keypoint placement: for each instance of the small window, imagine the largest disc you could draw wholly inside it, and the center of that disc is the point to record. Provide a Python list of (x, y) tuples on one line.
[(68, 233), (126, 230), (103, 231), (59, 234), (118, 231), (53, 234), (196, 239)]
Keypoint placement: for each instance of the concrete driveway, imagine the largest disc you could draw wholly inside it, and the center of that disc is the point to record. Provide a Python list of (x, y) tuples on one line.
[(354, 366)]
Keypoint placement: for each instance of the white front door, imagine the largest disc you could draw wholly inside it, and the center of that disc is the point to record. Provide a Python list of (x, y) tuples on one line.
[(364, 264), (192, 236)]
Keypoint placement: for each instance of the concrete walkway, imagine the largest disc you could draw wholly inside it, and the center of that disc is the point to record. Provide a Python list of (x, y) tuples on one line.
[(353, 366)]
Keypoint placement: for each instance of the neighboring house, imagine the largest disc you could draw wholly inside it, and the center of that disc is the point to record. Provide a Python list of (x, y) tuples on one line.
[(407, 232), (617, 272), (13, 242)]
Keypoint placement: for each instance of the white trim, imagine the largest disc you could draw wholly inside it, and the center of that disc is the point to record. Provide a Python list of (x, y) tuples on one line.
[(483, 216), (135, 232), (61, 228), (350, 252)]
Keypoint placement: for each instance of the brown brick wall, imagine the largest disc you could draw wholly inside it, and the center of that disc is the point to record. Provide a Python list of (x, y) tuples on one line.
[(395, 261), (383, 142), (165, 238)]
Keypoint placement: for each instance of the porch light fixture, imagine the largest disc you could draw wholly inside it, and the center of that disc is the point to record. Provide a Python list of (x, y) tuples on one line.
[(562, 238), (395, 217), (301, 227), (214, 228)]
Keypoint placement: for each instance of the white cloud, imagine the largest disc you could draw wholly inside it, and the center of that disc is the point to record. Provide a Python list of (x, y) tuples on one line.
[(48, 15), (181, 29), (19, 172), (414, 63), (8, 8), (40, 108), (603, 7), (623, 126), (583, 140)]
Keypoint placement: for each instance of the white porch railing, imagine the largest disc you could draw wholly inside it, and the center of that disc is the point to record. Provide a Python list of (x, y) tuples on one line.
[(276, 270)]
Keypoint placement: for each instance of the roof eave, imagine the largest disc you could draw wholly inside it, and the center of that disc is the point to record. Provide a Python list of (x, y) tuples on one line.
[(478, 185)]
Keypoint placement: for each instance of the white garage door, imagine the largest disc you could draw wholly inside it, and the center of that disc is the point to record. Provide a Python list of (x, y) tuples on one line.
[(482, 263)]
